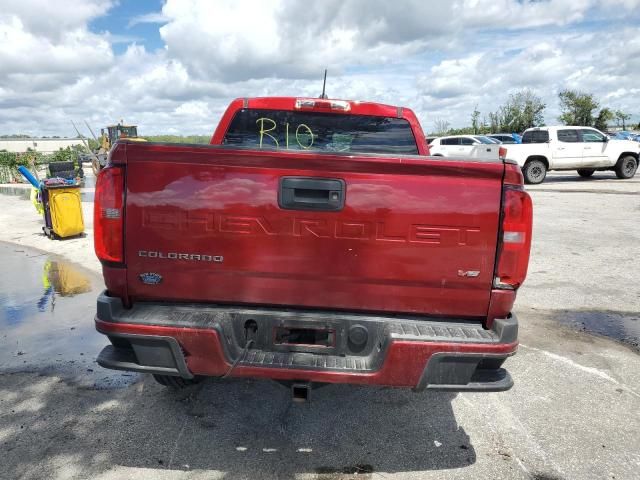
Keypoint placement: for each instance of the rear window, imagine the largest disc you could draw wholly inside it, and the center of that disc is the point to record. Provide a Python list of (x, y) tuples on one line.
[(535, 136), (320, 132)]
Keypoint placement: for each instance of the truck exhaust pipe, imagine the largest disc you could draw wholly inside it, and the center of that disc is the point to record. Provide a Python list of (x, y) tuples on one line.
[(301, 392)]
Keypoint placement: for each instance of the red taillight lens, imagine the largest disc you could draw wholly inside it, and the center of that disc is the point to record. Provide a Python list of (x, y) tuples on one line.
[(502, 153), (108, 215), (515, 241)]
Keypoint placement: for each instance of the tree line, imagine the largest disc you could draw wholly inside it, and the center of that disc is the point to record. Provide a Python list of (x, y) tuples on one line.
[(524, 109), (16, 159)]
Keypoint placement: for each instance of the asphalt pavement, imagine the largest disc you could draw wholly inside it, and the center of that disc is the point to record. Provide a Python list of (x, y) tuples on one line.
[(572, 414)]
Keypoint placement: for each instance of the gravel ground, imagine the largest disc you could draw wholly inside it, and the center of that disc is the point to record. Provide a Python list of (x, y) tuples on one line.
[(573, 413)]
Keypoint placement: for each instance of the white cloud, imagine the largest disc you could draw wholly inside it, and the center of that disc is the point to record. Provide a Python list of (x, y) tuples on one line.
[(245, 39), (48, 19), (514, 15), (588, 62), (43, 37), (154, 17), (439, 58)]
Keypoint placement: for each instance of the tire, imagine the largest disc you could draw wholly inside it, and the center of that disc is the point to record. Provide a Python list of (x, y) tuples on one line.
[(534, 172), (176, 383), (626, 167), (586, 172)]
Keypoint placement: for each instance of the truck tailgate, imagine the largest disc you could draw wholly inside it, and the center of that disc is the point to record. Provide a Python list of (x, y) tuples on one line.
[(484, 151), (414, 234)]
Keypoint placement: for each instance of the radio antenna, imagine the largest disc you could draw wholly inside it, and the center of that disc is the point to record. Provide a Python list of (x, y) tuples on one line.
[(324, 84)]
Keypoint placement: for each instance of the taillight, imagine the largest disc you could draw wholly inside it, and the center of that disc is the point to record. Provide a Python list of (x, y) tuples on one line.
[(515, 233), (108, 215), (502, 153)]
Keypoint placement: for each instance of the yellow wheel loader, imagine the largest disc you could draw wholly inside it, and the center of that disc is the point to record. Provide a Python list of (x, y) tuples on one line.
[(108, 136)]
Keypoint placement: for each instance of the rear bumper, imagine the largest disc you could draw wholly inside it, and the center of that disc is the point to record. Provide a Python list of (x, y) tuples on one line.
[(187, 340)]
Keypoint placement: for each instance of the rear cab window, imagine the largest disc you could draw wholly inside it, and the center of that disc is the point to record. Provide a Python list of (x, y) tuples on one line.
[(535, 136), (263, 129)]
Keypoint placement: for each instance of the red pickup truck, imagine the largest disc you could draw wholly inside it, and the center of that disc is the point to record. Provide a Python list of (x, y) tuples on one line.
[(314, 240)]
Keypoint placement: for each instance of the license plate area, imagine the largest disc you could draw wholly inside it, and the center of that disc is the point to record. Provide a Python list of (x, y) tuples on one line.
[(304, 337), (285, 331)]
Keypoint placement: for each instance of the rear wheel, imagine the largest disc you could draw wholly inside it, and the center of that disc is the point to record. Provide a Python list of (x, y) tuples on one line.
[(176, 383), (534, 172), (586, 172), (626, 167)]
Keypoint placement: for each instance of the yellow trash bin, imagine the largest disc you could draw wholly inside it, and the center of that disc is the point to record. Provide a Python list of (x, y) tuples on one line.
[(63, 211)]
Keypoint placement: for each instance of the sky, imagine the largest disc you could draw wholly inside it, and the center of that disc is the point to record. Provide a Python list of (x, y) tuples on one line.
[(173, 66)]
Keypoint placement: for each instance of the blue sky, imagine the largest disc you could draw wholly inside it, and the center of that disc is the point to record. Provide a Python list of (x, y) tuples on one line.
[(120, 21), (173, 66)]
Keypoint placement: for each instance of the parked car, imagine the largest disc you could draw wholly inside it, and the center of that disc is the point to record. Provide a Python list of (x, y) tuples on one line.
[(509, 138), (626, 136), (485, 138), (623, 135), (430, 139), (584, 149), (469, 146), (314, 240)]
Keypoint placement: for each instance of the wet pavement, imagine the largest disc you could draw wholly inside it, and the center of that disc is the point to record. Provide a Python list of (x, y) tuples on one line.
[(621, 326), (46, 318)]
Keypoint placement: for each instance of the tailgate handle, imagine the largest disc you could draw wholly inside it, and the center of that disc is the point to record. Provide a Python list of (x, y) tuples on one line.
[(311, 193)]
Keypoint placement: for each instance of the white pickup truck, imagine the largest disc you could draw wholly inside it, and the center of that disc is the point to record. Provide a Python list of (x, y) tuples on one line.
[(584, 149)]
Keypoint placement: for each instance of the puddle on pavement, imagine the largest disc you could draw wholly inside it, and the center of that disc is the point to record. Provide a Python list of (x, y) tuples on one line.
[(621, 326), (46, 318)]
